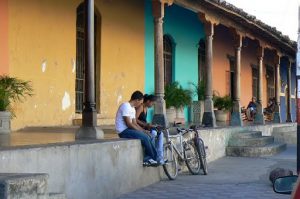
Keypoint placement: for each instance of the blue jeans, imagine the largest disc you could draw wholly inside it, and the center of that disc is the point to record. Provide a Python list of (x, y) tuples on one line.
[(158, 141), (150, 151)]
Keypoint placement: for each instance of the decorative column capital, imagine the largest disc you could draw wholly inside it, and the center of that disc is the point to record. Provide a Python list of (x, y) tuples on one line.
[(157, 9), (277, 58), (208, 23), (290, 63), (168, 2), (260, 52), (238, 41), (237, 37)]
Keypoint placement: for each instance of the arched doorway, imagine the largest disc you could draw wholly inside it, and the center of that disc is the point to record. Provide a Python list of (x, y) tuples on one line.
[(201, 60), (80, 65), (168, 59)]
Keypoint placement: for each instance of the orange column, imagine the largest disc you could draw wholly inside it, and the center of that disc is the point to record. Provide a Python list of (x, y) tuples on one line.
[(4, 37)]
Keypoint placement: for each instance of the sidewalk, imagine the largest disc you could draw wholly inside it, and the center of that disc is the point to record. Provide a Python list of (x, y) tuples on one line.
[(228, 178)]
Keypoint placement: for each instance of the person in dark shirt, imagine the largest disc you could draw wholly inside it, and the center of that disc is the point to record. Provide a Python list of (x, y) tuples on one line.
[(157, 137), (271, 106), (251, 108)]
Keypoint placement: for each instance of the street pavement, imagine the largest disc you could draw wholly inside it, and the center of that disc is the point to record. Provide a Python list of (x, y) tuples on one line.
[(228, 178)]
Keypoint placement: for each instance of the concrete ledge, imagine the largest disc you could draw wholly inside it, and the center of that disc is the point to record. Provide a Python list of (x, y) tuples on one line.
[(289, 137), (95, 169), (286, 134)]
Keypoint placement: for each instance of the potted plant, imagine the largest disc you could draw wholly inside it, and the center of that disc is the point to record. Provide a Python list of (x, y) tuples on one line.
[(223, 104), (11, 90), (198, 106), (176, 98)]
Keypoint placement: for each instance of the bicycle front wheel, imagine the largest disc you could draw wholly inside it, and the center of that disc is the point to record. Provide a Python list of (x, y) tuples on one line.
[(203, 157), (171, 165), (192, 158)]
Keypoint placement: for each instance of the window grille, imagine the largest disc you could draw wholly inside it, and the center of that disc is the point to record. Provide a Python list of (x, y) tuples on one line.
[(168, 60)]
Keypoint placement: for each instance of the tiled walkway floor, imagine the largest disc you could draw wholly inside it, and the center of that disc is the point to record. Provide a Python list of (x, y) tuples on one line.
[(228, 178)]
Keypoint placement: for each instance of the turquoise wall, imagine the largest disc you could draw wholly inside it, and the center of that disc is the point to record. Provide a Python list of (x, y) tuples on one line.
[(185, 29)]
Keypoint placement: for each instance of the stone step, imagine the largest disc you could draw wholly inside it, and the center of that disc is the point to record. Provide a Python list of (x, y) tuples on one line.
[(256, 141), (57, 196), (289, 137), (25, 186), (248, 134), (267, 150), (281, 129)]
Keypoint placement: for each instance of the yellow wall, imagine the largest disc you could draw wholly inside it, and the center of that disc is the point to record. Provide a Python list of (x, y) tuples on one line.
[(4, 37), (42, 48)]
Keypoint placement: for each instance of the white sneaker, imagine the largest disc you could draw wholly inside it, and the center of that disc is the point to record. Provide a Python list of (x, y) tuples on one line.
[(152, 162)]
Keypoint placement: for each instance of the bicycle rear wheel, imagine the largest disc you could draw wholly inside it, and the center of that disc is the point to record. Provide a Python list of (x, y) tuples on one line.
[(202, 153), (191, 157), (171, 165)]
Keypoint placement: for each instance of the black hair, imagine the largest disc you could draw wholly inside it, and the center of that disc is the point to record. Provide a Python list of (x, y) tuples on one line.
[(150, 97), (137, 95)]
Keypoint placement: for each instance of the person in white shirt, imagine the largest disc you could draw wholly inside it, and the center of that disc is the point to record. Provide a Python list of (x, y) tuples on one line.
[(127, 127)]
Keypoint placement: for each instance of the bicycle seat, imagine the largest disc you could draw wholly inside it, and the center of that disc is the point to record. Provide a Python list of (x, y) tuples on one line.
[(159, 119), (173, 131)]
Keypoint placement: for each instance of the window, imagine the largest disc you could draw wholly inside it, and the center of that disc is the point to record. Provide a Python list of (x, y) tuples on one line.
[(201, 60), (231, 77), (254, 81), (79, 84), (168, 59), (270, 76), (80, 56)]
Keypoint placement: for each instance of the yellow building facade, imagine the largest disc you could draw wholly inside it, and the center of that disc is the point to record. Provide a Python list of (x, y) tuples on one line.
[(42, 49), (40, 42)]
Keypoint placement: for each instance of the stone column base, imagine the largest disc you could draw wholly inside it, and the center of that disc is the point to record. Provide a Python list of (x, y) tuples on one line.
[(89, 133), (259, 118), (209, 119), (276, 117), (236, 119), (289, 118)]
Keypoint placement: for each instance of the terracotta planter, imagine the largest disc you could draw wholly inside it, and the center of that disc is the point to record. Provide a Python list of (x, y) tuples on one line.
[(180, 116), (5, 118), (171, 114), (221, 115), (179, 113)]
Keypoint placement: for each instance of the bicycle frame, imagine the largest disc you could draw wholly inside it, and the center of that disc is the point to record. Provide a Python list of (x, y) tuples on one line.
[(173, 146)]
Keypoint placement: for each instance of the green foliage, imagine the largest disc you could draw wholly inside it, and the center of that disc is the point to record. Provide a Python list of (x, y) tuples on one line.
[(223, 103), (176, 96), (199, 90), (13, 90)]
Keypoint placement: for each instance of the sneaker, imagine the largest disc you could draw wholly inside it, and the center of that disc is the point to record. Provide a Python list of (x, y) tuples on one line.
[(150, 163)]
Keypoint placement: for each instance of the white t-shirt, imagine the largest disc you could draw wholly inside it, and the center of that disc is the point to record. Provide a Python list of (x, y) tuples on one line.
[(125, 109)]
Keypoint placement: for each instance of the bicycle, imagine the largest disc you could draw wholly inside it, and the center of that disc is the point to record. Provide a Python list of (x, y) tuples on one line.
[(186, 152), (201, 150)]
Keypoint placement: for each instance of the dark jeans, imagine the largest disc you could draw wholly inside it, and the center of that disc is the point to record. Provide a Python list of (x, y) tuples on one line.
[(150, 151)]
